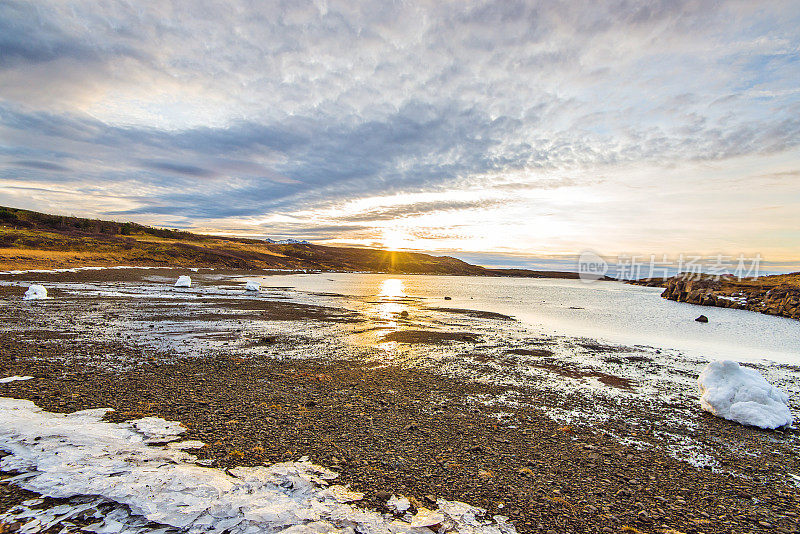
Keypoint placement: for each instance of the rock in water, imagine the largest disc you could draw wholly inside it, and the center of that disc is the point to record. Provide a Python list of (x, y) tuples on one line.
[(702, 319), (742, 395), (183, 281), (35, 292), (252, 286)]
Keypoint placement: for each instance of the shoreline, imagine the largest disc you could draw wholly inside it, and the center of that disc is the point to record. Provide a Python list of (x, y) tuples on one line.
[(777, 295), (554, 275), (410, 429)]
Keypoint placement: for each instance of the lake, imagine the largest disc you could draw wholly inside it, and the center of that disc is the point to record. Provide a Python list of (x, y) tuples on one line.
[(607, 311)]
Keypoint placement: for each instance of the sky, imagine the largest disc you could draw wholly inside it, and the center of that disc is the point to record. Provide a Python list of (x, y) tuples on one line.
[(497, 131)]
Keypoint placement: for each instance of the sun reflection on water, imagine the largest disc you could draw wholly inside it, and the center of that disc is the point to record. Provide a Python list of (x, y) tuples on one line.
[(389, 309), (392, 287)]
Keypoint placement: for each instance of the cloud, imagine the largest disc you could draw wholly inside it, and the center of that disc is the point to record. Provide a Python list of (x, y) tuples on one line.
[(177, 168), (783, 175), (305, 105), (27, 37), (39, 189), (421, 208), (40, 165)]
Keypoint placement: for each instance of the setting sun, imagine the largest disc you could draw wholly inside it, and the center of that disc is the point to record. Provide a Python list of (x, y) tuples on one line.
[(395, 239)]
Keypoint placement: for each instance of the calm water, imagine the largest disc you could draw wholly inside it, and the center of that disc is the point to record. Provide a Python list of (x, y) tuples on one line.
[(607, 311)]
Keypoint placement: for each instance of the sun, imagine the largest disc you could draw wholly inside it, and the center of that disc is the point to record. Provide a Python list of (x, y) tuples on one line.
[(395, 239)]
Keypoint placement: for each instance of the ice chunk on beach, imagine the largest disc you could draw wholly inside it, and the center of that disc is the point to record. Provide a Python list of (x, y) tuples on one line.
[(427, 518), (158, 430), (109, 472), (183, 281), (398, 504), (14, 378), (252, 286), (35, 292), (183, 445), (740, 394)]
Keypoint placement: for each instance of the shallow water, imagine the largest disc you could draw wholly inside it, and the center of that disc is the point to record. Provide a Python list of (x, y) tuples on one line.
[(607, 311)]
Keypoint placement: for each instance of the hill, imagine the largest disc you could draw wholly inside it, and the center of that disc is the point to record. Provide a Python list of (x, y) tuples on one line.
[(33, 240)]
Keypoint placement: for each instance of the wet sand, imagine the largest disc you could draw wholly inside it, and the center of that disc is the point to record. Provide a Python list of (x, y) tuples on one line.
[(390, 426)]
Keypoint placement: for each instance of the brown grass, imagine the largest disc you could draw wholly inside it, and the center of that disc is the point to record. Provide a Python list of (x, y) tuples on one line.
[(28, 258), (35, 248)]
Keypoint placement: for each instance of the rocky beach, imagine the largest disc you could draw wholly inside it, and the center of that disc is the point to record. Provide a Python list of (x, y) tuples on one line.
[(557, 434)]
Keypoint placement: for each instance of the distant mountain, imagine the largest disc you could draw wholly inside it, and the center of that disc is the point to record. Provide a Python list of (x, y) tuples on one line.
[(30, 240)]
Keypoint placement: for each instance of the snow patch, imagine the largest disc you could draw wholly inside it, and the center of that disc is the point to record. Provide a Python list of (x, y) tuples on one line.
[(733, 298), (287, 241), (739, 394), (93, 268), (107, 471), (157, 430), (188, 444), (252, 286), (184, 281), (398, 504), (14, 379), (427, 518), (35, 292)]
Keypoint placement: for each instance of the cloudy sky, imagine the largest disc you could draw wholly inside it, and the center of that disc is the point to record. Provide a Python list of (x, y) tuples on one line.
[(519, 129)]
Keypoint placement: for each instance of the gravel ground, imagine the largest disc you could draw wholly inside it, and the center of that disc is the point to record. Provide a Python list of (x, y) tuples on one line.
[(407, 432)]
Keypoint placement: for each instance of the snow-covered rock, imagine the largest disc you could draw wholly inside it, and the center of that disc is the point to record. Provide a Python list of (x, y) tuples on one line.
[(108, 471), (740, 394), (252, 286), (184, 281), (35, 292)]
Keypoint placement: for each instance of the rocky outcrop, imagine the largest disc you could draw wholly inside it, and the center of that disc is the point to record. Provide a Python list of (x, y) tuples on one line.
[(780, 299), (692, 290)]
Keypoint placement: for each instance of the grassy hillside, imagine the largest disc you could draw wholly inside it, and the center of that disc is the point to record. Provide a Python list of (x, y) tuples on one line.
[(32, 240)]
